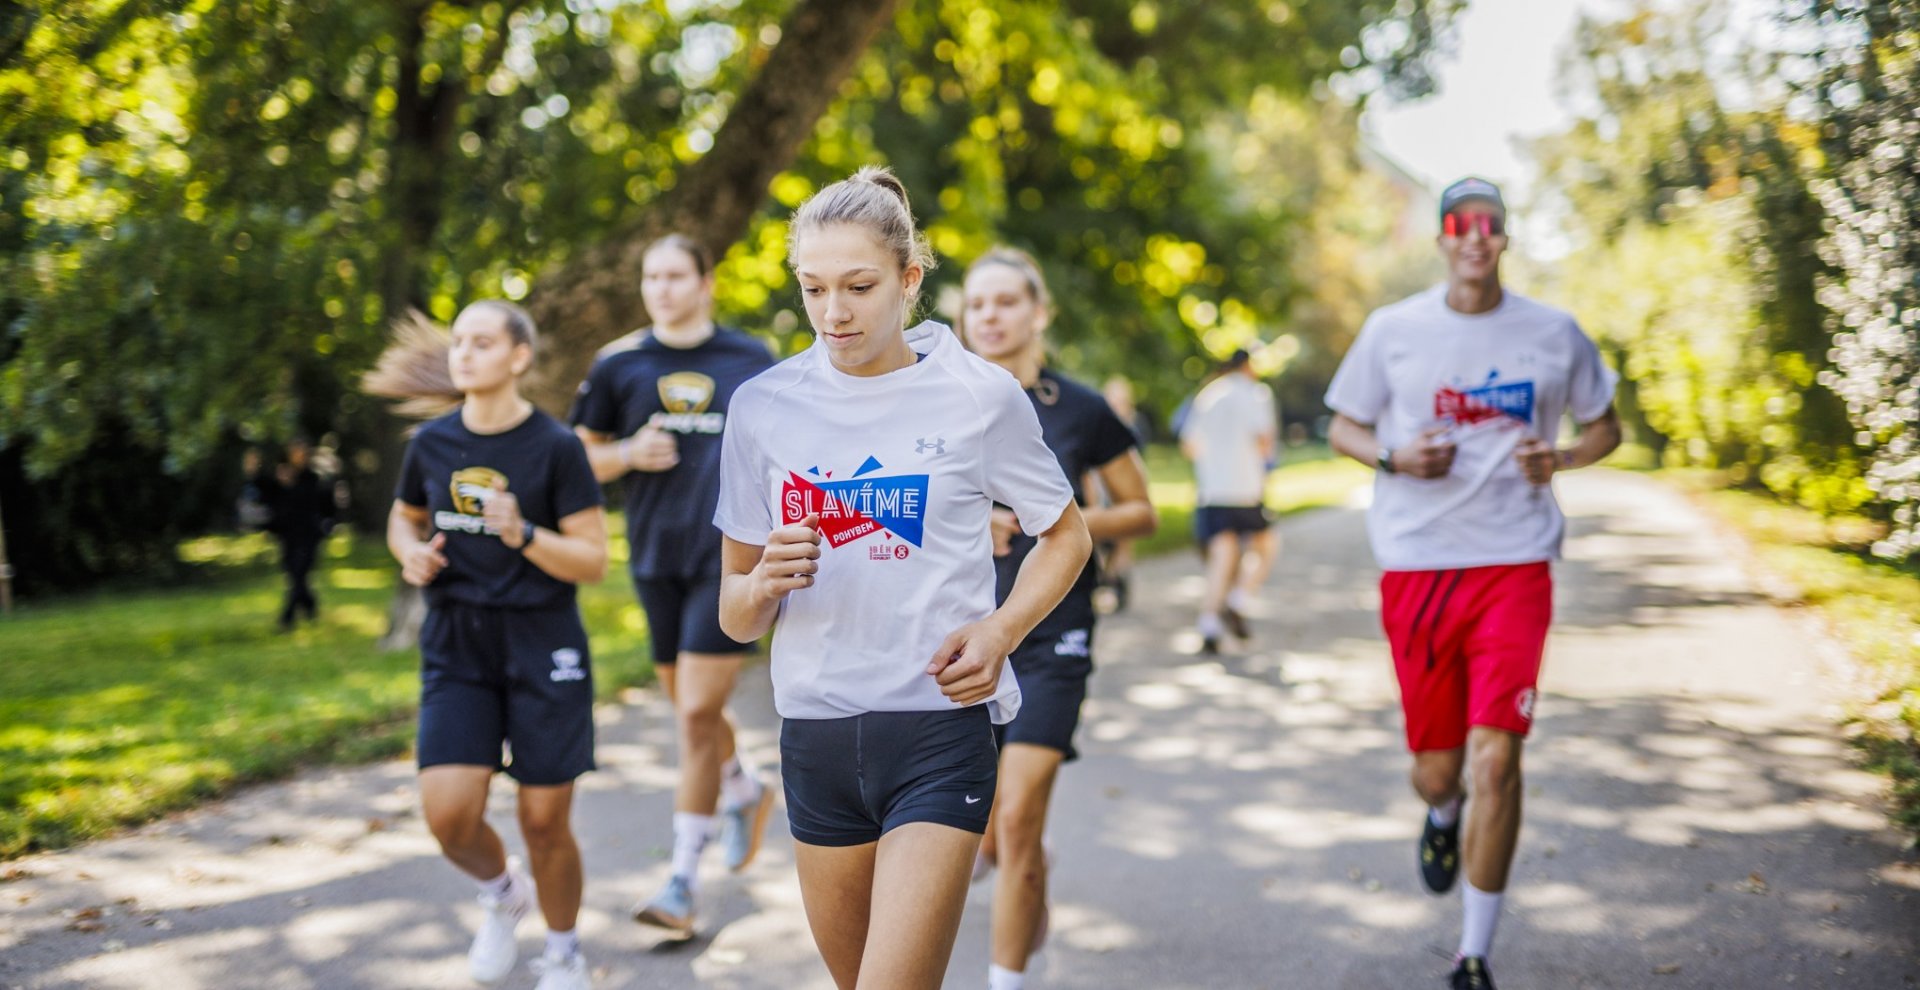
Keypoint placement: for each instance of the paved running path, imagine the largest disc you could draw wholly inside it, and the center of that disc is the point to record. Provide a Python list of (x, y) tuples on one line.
[(1243, 822)]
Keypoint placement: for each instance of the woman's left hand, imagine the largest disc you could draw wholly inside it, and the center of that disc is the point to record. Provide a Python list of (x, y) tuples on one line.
[(503, 518), (967, 664)]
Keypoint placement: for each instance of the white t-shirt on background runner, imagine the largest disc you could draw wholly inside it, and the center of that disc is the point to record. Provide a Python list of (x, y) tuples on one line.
[(1225, 426), (1495, 379), (903, 469)]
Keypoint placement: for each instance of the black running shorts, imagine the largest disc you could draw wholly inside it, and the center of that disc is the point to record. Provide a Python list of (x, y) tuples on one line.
[(683, 616), (1053, 675), (505, 688), (851, 780)]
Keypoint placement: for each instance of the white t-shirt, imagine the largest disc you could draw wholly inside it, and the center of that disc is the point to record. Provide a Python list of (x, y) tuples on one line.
[(903, 469), (1495, 378), (1224, 428)]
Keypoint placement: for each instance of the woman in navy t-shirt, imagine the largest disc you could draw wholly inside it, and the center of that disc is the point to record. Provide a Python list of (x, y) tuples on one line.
[(1007, 309), (498, 517)]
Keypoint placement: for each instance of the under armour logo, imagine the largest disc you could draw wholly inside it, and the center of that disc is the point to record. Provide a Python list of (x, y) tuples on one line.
[(938, 445)]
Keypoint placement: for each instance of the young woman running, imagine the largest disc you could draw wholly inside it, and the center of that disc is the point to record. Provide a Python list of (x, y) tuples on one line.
[(1007, 309), (498, 517), (856, 497), (652, 411)]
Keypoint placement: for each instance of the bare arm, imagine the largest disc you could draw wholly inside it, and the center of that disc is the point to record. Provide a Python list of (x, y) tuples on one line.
[(1130, 511), (1426, 457), (1539, 460), (754, 580), (650, 449), (576, 553), (420, 559), (967, 663)]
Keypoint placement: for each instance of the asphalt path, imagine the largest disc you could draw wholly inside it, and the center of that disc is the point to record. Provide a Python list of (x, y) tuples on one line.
[(1692, 820)]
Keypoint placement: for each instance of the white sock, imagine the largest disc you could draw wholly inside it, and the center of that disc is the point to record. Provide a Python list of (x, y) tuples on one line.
[(562, 945), (498, 887), (1002, 978), (691, 833), (1444, 815), (737, 786), (1237, 600), (1211, 626), (1478, 921)]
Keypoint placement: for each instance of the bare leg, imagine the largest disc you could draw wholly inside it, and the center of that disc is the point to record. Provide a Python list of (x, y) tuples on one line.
[(1223, 562), (454, 800), (919, 891), (1436, 775), (1019, 825), (1264, 548), (546, 822), (703, 683), (1493, 816), (836, 887)]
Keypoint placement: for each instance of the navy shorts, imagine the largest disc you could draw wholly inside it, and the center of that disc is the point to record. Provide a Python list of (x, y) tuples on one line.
[(510, 689), (1053, 675), (1210, 521), (851, 780), (683, 616)]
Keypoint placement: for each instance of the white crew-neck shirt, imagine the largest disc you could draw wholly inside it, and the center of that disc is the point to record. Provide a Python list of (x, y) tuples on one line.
[(1495, 378), (1229, 419), (903, 469)]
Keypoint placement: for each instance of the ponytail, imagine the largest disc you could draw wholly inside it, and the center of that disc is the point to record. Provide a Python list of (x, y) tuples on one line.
[(412, 371)]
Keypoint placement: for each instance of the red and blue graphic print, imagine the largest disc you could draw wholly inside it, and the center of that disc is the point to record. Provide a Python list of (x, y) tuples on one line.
[(859, 505), (1493, 401)]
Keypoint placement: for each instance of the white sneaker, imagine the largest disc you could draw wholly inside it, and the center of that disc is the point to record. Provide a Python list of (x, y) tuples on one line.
[(494, 952), (556, 973)]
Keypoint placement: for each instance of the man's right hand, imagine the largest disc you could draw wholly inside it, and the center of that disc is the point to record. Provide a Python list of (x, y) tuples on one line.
[(1430, 456), (789, 560), (424, 561), (651, 449)]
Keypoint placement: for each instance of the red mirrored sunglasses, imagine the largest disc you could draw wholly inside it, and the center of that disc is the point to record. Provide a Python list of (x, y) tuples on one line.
[(1458, 224)]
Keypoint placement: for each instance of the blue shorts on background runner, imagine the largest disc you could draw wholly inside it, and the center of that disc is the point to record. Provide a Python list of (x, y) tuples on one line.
[(512, 679), (1210, 521), (851, 780), (683, 616), (1053, 676)]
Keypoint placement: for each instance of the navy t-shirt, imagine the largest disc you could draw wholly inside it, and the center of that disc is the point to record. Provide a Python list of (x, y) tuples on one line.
[(1083, 433), (450, 470), (684, 391)]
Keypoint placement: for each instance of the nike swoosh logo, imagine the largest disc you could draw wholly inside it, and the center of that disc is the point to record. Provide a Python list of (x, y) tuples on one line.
[(973, 800)]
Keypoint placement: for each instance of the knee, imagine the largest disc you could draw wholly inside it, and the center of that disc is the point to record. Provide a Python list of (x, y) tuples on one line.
[(1496, 767), (545, 828), (454, 827), (1436, 782), (701, 720), (1019, 825)]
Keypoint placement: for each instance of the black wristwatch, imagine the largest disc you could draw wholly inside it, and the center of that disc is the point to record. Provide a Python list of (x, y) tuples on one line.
[(527, 529), (1385, 459)]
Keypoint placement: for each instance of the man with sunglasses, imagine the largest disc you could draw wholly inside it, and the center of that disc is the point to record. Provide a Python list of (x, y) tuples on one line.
[(1456, 395)]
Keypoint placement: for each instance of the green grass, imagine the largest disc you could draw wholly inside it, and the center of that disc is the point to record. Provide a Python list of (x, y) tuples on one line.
[(1309, 477), (120, 706), (1870, 605)]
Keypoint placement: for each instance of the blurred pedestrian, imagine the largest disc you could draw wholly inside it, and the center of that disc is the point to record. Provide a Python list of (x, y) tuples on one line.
[(1116, 555), (299, 513), (1230, 435)]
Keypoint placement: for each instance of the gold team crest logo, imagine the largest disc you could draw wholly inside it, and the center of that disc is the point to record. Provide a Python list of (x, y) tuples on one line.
[(472, 487), (686, 392)]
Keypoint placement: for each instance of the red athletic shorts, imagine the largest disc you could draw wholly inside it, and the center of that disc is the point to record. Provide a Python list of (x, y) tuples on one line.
[(1466, 646)]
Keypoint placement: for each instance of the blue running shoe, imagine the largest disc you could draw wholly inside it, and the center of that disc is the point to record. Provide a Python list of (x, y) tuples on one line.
[(742, 826), (671, 908)]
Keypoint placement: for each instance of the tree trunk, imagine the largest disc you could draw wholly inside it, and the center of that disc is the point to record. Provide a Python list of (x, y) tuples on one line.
[(424, 121), (595, 296)]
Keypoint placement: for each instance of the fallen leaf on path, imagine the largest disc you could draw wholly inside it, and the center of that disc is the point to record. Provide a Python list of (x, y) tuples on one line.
[(1666, 969), (376, 825), (16, 873), (1756, 884), (86, 914), (86, 926)]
